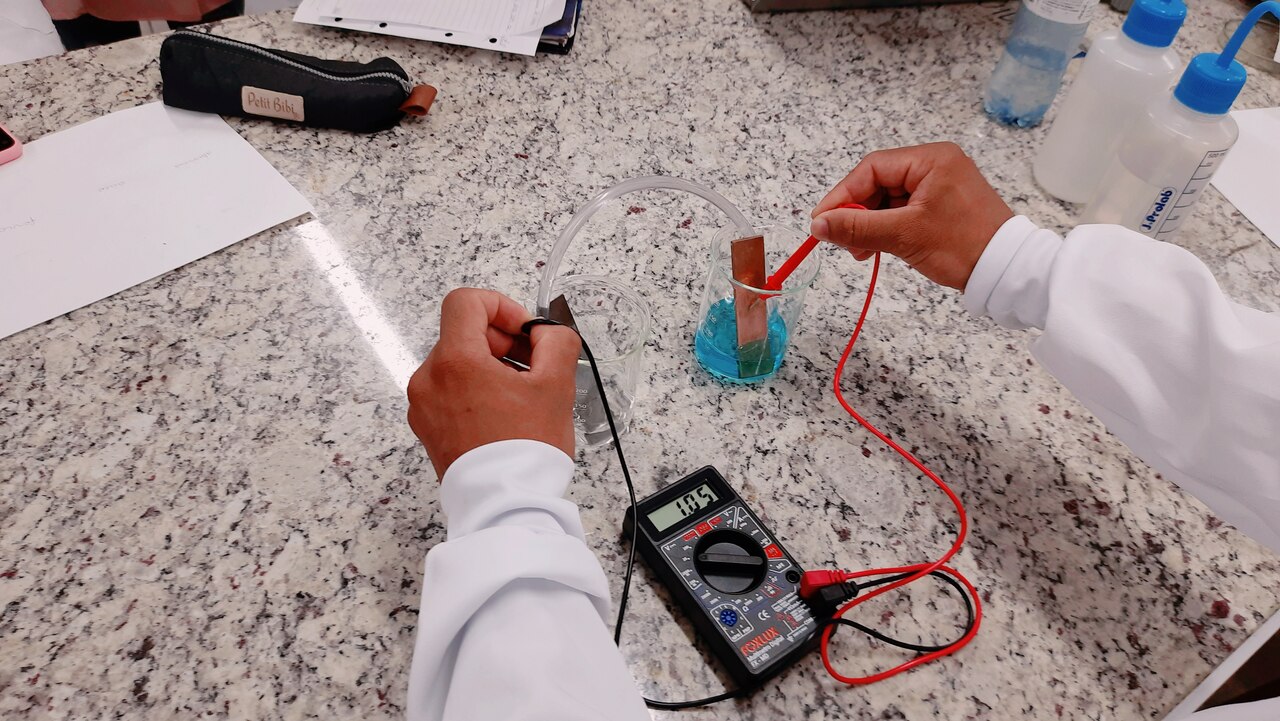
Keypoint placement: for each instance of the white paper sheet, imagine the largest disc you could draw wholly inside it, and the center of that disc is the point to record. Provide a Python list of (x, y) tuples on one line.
[(1226, 670), (1250, 174), (319, 12), (90, 211), (26, 32)]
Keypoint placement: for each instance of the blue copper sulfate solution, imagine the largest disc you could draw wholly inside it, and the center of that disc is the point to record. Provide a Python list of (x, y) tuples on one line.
[(716, 343)]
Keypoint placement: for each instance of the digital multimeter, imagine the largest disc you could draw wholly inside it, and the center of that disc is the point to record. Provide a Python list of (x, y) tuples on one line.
[(738, 585)]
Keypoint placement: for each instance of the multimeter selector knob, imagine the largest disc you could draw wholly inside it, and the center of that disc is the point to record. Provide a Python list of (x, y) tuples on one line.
[(730, 561)]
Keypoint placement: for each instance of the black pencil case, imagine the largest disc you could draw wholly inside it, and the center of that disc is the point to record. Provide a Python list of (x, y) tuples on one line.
[(212, 74)]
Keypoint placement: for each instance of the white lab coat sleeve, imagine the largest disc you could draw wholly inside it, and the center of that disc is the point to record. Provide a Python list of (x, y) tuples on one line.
[(1141, 333), (1265, 710), (514, 603)]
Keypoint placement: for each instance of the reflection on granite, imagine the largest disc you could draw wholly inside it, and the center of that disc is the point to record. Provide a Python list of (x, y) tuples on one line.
[(212, 507)]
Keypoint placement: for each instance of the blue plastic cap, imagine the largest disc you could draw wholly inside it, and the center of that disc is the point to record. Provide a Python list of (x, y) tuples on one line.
[(1155, 22), (1207, 86)]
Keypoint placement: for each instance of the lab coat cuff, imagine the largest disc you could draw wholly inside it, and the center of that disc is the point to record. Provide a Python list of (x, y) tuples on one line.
[(1010, 283), (994, 261), (510, 483)]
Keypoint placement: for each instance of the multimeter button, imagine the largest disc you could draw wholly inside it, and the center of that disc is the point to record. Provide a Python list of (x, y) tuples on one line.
[(703, 527), (772, 551), (729, 617), (716, 521)]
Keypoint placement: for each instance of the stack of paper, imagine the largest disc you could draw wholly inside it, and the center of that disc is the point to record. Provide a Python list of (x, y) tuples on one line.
[(514, 26)]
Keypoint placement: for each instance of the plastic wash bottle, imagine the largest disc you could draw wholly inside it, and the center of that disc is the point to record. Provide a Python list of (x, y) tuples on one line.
[(1167, 158), (1124, 70)]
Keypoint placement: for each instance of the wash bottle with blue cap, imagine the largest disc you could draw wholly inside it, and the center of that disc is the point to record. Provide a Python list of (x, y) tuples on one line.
[(1167, 157), (1124, 70)]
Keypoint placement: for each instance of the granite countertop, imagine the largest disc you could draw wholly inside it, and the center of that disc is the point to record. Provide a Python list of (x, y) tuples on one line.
[(212, 507)]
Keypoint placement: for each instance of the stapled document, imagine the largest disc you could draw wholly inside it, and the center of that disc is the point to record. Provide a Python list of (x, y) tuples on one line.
[(513, 26)]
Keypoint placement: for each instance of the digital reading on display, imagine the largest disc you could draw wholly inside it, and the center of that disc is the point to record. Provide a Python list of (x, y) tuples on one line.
[(683, 507)]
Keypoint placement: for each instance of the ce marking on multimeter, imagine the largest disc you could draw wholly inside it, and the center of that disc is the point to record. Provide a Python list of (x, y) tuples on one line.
[(737, 584)]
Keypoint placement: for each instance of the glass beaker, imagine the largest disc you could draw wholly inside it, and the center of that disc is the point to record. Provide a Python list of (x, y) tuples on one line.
[(614, 321), (716, 340)]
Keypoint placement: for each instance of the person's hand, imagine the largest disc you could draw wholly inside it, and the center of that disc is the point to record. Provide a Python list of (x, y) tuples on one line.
[(463, 396), (929, 205)]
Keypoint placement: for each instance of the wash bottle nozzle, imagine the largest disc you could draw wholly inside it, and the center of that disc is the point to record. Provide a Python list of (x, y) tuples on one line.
[(1212, 81)]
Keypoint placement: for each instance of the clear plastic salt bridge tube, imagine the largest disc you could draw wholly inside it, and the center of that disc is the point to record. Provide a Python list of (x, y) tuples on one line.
[(716, 319), (649, 182)]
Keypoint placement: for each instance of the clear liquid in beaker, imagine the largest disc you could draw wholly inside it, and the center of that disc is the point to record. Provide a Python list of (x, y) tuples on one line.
[(614, 320)]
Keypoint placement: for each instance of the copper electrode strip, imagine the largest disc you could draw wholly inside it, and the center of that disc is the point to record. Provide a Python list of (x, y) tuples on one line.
[(750, 308)]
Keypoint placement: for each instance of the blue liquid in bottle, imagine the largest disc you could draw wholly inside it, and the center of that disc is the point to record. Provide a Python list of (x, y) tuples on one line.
[(716, 343), (1035, 58)]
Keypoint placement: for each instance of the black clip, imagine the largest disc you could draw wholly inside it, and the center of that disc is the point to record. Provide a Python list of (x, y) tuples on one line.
[(529, 324)]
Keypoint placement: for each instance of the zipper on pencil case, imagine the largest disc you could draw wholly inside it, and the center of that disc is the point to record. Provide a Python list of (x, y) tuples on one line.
[(404, 82)]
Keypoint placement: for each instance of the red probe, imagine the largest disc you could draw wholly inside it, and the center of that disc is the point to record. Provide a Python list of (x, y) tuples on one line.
[(785, 270), (812, 581)]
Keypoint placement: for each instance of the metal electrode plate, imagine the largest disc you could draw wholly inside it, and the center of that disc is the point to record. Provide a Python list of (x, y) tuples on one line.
[(521, 351), (750, 309), (587, 402), (587, 396)]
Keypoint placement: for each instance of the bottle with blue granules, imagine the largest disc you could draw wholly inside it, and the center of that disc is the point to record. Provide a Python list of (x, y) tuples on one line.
[(1046, 35)]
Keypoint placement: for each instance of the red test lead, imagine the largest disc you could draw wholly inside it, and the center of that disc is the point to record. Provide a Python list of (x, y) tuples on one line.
[(911, 573), (813, 581), (776, 280)]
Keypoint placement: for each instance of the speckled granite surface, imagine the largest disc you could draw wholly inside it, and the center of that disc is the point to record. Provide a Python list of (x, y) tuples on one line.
[(210, 504)]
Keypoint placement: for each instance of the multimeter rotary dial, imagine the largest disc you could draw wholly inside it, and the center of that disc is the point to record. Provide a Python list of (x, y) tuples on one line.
[(730, 561)]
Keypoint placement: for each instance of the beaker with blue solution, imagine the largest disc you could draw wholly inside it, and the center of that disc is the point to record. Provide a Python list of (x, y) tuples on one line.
[(718, 346), (715, 345)]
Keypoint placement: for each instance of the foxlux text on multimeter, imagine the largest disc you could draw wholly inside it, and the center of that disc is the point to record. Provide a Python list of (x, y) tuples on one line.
[(733, 579)]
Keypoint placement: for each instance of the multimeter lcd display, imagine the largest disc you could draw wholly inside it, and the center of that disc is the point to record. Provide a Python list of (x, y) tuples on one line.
[(683, 507)]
